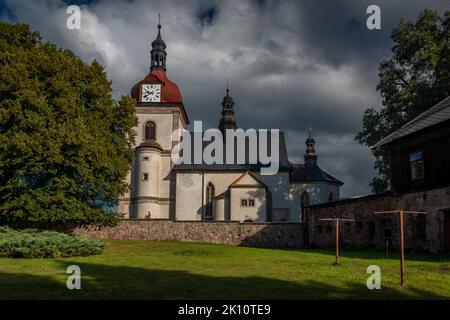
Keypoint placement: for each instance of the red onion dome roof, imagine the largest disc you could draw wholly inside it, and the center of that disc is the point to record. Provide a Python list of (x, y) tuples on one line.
[(169, 90)]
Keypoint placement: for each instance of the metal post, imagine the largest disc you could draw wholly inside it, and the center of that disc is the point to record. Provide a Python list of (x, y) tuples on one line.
[(337, 220), (402, 237), (337, 242), (402, 251)]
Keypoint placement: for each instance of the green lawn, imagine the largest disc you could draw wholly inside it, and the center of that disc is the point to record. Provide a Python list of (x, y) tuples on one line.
[(174, 270)]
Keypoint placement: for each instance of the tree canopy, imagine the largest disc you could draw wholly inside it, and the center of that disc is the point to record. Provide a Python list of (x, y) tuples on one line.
[(413, 79), (65, 143)]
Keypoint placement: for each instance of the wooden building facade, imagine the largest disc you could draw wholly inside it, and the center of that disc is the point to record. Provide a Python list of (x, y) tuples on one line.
[(419, 157), (421, 161)]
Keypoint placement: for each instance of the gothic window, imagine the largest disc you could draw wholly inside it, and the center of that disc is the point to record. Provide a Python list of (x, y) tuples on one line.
[(244, 203), (209, 201), (150, 130), (145, 176), (251, 202)]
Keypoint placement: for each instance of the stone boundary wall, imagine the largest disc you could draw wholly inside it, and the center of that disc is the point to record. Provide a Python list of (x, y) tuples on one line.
[(276, 235), (374, 230)]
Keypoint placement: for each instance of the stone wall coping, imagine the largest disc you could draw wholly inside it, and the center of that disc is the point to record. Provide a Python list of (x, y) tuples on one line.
[(387, 194), (215, 221), (143, 219), (354, 199)]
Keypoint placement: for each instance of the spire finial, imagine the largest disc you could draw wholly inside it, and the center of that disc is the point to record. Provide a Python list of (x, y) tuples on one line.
[(228, 89), (310, 130), (159, 20)]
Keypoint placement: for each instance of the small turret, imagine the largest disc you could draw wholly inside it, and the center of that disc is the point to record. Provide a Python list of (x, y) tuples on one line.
[(310, 154), (158, 53), (228, 120)]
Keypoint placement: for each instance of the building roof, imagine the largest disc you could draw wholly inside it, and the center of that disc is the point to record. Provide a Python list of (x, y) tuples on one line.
[(436, 114), (301, 172), (169, 90), (298, 172), (258, 182), (150, 143), (283, 158)]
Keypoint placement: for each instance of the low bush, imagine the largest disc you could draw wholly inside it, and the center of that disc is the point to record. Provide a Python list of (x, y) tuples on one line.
[(32, 243)]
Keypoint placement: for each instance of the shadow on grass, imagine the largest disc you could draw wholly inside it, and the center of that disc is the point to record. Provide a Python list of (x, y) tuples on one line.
[(373, 254), (120, 282)]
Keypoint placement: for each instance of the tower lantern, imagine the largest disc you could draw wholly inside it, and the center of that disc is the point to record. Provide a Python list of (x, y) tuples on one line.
[(158, 53), (228, 120)]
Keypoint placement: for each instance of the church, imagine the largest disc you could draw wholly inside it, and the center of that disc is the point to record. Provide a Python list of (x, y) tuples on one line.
[(161, 189)]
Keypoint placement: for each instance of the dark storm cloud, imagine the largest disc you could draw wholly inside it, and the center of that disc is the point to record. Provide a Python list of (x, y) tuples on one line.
[(290, 64), (208, 15)]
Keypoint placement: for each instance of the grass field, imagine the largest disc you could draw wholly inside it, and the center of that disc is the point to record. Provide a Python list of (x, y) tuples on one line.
[(174, 270)]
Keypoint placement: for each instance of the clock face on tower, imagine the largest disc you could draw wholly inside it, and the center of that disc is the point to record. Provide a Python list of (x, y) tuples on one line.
[(151, 93)]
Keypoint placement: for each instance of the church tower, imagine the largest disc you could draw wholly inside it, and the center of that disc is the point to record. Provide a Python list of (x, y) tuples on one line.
[(310, 154), (228, 120), (160, 111)]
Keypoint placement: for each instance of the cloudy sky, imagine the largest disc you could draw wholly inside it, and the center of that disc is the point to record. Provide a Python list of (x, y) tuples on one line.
[(289, 63)]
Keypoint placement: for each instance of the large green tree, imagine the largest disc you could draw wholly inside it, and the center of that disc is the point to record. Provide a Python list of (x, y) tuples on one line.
[(65, 143), (412, 80)]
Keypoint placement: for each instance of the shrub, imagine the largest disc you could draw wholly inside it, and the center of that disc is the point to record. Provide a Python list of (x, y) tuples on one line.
[(32, 243)]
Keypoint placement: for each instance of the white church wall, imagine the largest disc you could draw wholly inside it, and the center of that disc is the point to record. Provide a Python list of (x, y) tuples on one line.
[(165, 170), (148, 163), (219, 209), (163, 124), (147, 209), (220, 180), (256, 213), (279, 187), (318, 193), (163, 209), (188, 204)]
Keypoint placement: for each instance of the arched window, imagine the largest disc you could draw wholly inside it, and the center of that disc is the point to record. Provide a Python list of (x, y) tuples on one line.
[(150, 130), (209, 201), (304, 203)]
